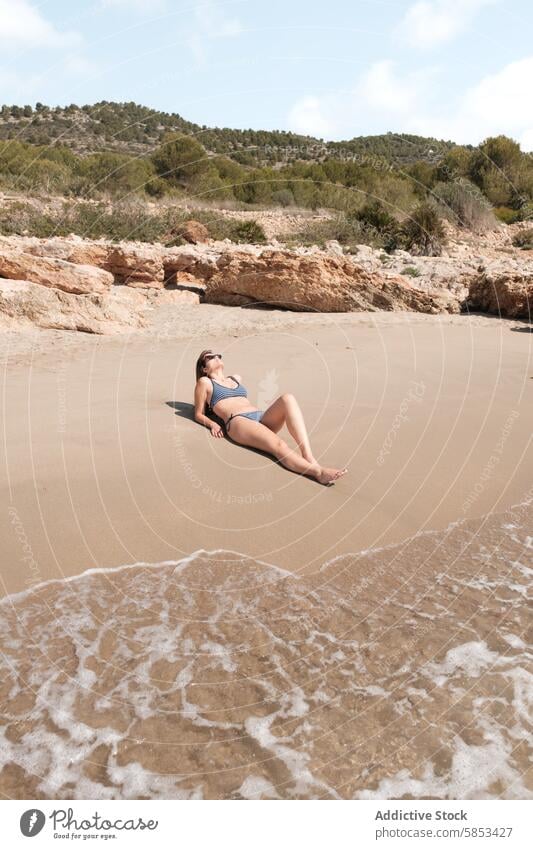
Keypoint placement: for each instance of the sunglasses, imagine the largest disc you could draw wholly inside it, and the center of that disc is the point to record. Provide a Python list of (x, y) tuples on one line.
[(211, 357)]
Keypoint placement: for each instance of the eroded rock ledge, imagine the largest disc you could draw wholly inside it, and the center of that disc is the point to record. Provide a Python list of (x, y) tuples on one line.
[(107, 287)]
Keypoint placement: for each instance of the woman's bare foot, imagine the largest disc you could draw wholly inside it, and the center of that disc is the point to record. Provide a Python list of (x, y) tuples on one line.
[(328, 476)]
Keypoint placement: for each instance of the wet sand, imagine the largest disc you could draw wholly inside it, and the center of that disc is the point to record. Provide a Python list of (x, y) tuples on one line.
[(400, 673)]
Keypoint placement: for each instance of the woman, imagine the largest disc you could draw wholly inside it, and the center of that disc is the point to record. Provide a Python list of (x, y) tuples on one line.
[(250, 426)]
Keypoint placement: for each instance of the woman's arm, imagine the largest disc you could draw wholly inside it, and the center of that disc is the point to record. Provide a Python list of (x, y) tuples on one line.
[(200, 399)]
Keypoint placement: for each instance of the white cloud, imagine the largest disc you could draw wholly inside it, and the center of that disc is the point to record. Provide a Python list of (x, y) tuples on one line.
[(18, 88), (76, 63), (383, 100), (209, 22), (497, 104), (382, 88), (381, 92), (201, 21), (23, 26), (526, 140), (426, 24), (306, 117), (504, 96), (136, 5)]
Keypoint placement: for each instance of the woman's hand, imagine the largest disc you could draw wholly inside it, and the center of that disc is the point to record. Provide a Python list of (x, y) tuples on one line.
[(216, 430)]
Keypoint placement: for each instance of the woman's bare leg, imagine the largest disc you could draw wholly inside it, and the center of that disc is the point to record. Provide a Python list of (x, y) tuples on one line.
[(286, 410), (256, 435)]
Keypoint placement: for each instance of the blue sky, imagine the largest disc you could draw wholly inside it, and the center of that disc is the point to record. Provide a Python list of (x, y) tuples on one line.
[(455, 69)]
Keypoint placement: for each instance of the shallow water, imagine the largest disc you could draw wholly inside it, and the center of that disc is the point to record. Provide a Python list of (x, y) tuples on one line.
[(400, 672)]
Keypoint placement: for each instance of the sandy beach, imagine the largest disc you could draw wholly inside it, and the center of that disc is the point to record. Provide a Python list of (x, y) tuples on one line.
[(279, 639), (105, 465)]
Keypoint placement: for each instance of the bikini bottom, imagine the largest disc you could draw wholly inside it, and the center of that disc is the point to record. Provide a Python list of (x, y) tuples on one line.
[(255, 415)]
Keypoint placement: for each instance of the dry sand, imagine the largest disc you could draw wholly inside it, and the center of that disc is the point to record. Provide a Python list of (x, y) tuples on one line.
[(104, 464)]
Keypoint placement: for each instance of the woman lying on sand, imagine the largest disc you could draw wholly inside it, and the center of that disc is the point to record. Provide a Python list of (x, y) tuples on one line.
[(250, 426)]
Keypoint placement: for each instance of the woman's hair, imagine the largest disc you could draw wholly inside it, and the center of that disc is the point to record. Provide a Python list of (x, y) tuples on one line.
[(200, 373), (200, 363)]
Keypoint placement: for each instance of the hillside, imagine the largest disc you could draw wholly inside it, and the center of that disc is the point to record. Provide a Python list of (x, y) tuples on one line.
[(118, 153), (135, 130)]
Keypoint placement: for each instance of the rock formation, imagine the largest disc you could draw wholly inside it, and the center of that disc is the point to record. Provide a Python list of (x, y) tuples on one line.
[(315, 282), (23, 303), (137, 266), (507, 294), (102, 286), (56, 273), (194, 232), (198, 263)]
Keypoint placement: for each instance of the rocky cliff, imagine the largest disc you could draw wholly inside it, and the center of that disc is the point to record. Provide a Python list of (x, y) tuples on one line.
[(105, 287)]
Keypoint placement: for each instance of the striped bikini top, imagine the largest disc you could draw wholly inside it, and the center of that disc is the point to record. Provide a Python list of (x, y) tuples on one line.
[(220, 391)]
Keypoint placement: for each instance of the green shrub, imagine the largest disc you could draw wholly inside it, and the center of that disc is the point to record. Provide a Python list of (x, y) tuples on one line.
[(90, 220), (114, 173), (464, 204), (248, 231), (26, 173), (283, 197), (524, 239), (382, 229), (45, 176), (208, 186), (219, 226), (392, 240), (422, 232), (526, 212), (22, 218), (496, 167), (180, 159), (155, 187), (507, 215), (422, 175), (454, 164), (348, 232), (375, 215), (411, 271)]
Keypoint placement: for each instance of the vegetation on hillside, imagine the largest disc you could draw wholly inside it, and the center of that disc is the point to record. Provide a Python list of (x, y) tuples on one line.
[(134, 129), (524, 239), (124, 220), (388, 189)]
